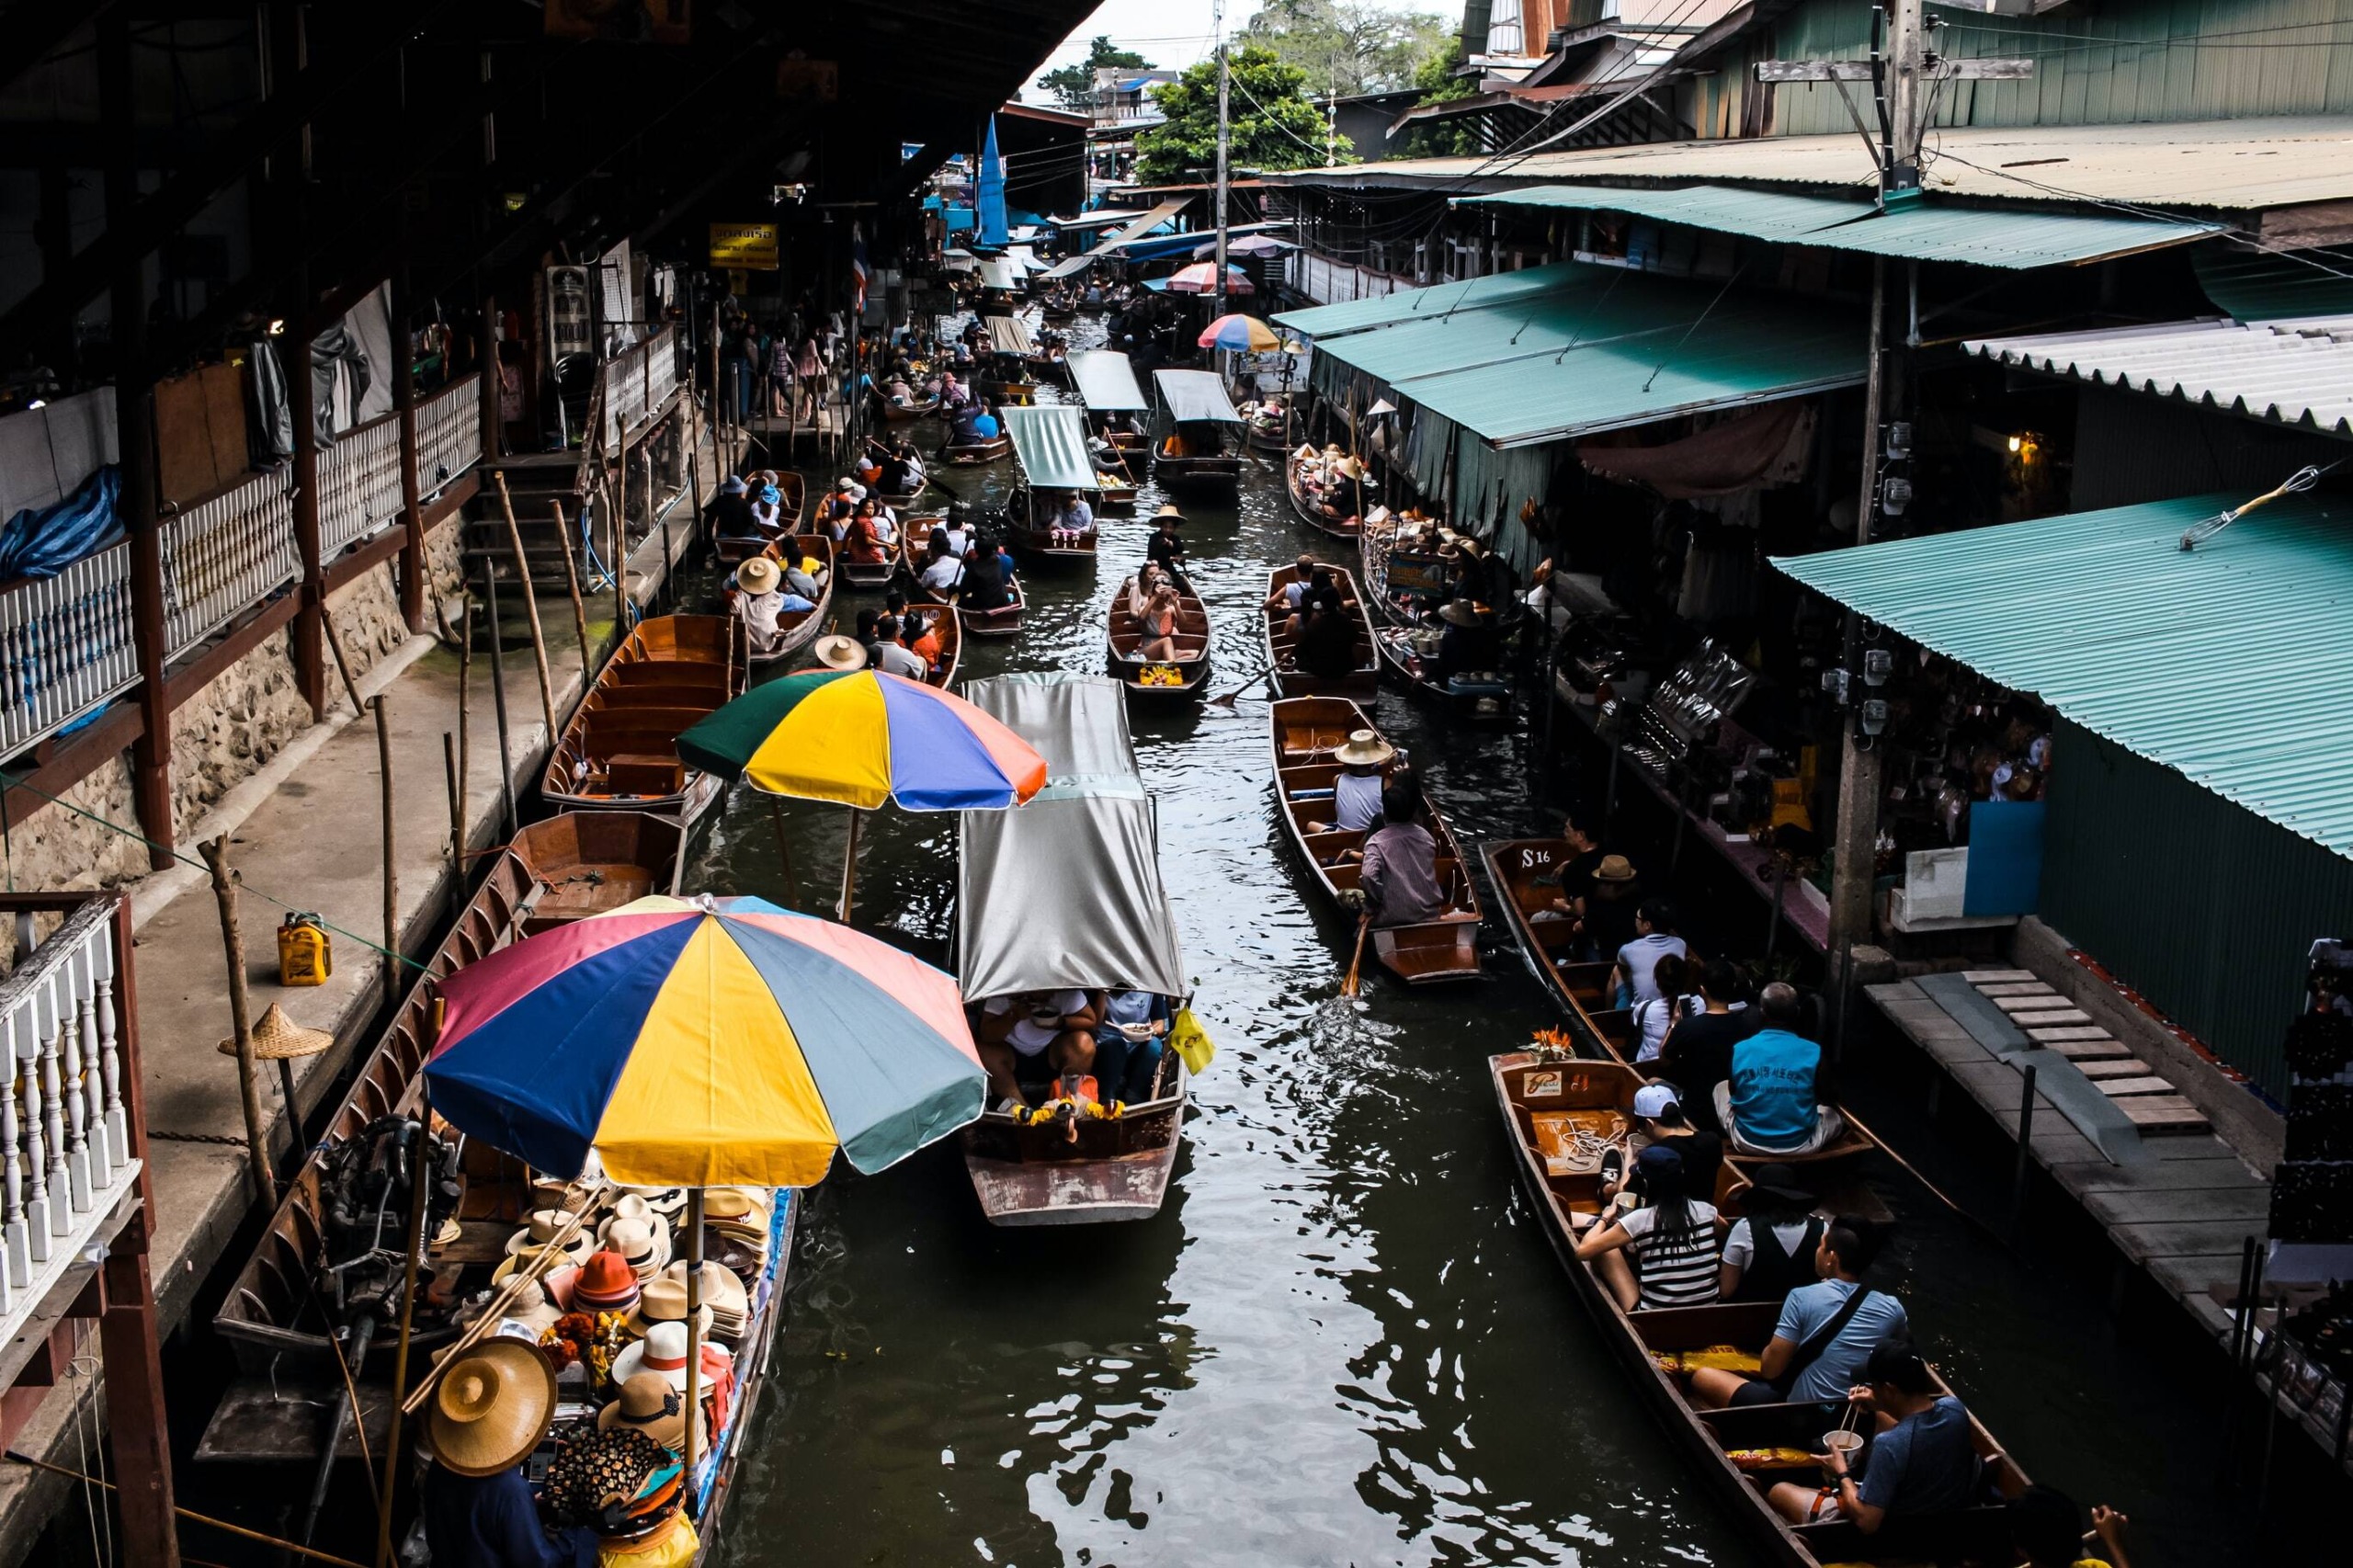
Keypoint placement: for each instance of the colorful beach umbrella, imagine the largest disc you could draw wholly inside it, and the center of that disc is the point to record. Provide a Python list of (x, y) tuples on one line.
[(860, 738), (1241, 334), (1201, 278), (704, 1042)]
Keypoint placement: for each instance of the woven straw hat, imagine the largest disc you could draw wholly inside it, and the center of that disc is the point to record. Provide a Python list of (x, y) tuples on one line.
[(279, 1039), (759, 575), (1365, 749), (649, 1404), (839, 653), (663, 1300), (492, 1407)]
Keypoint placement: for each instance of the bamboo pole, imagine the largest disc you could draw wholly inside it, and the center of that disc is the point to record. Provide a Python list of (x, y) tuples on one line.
[(392, 867), (457, 826), (419, 1193), (579, 609), (523, 1279), (531, 612), (618, 535), (508, 821), (225, 891)]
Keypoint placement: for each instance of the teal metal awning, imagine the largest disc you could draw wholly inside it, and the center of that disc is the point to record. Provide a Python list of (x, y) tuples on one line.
[(1107, 382), (1925, 230), (1050, 441), (2224, 663), (1321, 322), (1579, 349)]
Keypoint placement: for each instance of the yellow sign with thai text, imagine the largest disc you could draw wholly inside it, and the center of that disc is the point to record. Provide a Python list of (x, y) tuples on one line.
[(748, 246)]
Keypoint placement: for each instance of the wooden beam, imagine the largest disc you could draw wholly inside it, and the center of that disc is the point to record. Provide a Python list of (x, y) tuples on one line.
[(117, 729), (346, 570)]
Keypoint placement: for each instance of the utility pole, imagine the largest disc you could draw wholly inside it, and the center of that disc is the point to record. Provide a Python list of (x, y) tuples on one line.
[(1217, 27)]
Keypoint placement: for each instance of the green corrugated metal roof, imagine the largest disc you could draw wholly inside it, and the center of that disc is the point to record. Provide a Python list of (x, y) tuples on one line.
[(1929, 229), (1356, 316), (1596, 348), (2224, 663), (1049, 439)]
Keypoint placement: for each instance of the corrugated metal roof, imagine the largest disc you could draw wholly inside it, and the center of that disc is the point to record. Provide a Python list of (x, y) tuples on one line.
[(1324, 321), (2289, 372), (1107, 382), (1585, 348), (2223, 662), (1928, 231), (1049, 439), (2216, 165)]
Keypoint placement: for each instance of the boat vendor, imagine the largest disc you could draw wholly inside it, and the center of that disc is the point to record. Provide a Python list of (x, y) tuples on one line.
[(1399, 882), (761, 605), (1356, 794), (1166, 551), (1469, 642), (1037, 1035), (1128, 1043), (1921, 1461), (1072, 520), (487, 1416), (1773, 1102), (1825, 1334)]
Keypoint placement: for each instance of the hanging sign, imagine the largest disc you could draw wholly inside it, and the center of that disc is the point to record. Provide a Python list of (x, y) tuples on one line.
[(743, 245)]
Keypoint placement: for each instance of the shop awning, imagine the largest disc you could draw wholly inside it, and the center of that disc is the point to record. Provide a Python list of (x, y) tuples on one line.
[(998, 273), (1190, 396), (2288, 372), (1152, 219), (1929, 229), (1049, 439), (1007, 335), (1323, 322), (1107, 382), (2223, 662), (1599, 348)]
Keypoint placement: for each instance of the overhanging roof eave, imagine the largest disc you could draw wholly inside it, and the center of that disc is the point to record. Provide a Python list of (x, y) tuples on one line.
[(1606, 424)]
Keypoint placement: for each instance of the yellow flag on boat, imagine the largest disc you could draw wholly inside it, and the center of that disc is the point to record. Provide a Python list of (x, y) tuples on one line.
[(1190, 1041)]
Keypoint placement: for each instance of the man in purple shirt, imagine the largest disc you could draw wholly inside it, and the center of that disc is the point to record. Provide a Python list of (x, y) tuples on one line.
[(1400, 876)]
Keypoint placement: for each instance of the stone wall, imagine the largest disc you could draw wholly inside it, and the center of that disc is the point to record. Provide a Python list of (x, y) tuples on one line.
[(445, 567), (368, 623), (54, 850), (231, 730)]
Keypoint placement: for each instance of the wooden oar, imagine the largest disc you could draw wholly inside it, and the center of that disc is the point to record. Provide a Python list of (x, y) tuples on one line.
[(1350, 987), (1227, 701)]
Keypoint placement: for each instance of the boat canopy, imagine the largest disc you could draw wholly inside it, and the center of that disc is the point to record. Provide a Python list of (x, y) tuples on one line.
[(1009, 336), (1194, 396), (1049, 439), (998, 273), (1065, 892), (1107, 382)]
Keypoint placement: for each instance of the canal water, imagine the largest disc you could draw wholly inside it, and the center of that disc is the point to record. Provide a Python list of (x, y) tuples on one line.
[(1343, 1340)]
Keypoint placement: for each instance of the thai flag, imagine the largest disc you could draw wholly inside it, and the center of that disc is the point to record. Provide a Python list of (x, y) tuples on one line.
[(858, 262)]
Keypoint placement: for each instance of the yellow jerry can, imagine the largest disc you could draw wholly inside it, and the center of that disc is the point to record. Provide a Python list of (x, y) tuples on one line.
[(305, 956)]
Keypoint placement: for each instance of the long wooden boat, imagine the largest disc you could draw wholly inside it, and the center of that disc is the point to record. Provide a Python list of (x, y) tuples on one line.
[(1192, 473), (1308, 511), (1112, 1171), (1007, 389), (1525, 874), (792, 505), (971, 453), (584, 863), (1022, 530), (1180, 678), (1544, 1100), (951, 625), (621, 750), (1363, 681), (1306, 730), (798, 628), (904, 413), (915, 537), (1402, 659)]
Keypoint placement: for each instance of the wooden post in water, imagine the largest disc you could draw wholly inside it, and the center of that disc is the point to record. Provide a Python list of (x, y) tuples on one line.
[(413, 1254), (530, 610), (232, 942), (579, 609), (457, 825), (393, 959)]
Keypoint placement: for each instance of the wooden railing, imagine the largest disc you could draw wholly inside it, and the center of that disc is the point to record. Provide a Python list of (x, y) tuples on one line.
[(1329, 282), (67, 646), (65, 1138), (224, 555)]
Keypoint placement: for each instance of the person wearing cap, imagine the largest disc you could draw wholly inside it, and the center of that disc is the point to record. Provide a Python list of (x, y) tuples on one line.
[(1356, 792), (729, 515), (1671, 1240), (1399, 880), (487, 1413), (1771, 1249), (1166, 551), (1659, 1118), (761, 605), (1036, 1034)]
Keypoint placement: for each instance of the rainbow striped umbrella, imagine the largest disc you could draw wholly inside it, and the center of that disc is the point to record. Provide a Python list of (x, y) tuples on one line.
[(860, 738), (1242, 335), (704, 1042)]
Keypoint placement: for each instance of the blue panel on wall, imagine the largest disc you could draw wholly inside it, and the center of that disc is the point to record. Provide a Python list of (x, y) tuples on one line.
[(2004, 858)]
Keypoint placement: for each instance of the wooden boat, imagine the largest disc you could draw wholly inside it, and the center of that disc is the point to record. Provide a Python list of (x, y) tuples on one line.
[(1031, 539), (1114, 1170), (1115, 488), (792, 505), (1525, 875), (798, 628), (902, 413), (1362, 682), (1191, 470), (1308, 511), (1544, 1099), (620, 751), (913, 538), (1123, 634), (584, 863), (1401, 658), (950, 624), (1306, 732), (967, 454), (1007, 389)]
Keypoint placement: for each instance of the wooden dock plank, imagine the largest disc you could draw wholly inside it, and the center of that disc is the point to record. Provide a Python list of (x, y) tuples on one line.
[(1996, 976), (2015, 988), (2195, 1238), (2163, 1113), (2049, 1018), (2235, 1204), (2158, 1175), (2043, 1000), (2114, 1067), (2147, 1084)]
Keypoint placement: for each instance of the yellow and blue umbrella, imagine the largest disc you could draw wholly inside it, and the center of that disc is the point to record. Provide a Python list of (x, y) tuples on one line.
[(704, 1042)]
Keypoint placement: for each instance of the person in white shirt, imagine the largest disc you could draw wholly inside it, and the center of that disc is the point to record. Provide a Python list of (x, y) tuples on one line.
[(892, 656), (943, 571), (1021, 1034), (1356, 794), (1634, 978)]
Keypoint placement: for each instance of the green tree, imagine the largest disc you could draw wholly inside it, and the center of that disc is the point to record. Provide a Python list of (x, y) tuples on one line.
[(1073, 86), (1272, 125), (1348, 47), (1439, 85)]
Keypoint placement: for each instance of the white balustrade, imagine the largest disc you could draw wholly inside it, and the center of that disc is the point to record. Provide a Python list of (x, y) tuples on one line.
[(636, 381), (359, 486), (449, 435), (65, 646), (64, 1138), (225, 555)]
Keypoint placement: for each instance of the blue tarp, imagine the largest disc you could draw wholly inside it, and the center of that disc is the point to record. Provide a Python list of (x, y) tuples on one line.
[(43, 542), (994, 231)]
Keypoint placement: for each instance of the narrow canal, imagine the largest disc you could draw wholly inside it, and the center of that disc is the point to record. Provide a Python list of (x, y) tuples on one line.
[(1343, 1340)]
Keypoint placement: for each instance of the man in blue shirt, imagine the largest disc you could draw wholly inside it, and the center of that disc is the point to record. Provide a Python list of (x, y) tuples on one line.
[(1772, 1102), (1922, 1459), (1825, 1332), (984, 425)]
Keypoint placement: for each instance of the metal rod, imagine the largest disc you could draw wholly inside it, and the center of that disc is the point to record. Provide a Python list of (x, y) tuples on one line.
[(850, 865), (457, 826), (694, 1328), (392, 867), (465, 705)]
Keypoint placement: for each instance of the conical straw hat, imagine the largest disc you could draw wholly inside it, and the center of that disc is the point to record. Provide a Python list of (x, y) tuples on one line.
[(279, 1038)]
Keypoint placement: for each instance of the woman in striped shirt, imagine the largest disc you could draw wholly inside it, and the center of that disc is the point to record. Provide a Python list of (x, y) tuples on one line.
[(1671, 1239)]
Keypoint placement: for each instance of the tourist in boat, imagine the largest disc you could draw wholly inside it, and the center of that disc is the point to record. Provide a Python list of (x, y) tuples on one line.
[(1670, 977), (957, 530), (911, 472), (1070, 522), (867, 544), (1400, 877), (804, 577), (1825, 1334), (984, 423), (485, 1419), (1160, 618), (920, 632), (1166, 551), (988, 581), (867, 470), (2047, 1529), (767, 503), (1149, 580), (1670, 1240), (943, 571), (890, 653), (1659, 1118), (1922, 1459), (1327, 642), (1608, 918), (1633, 977), (730, 512), (1288, 596), (1357, 792), (1037, 1035), (1772, 1102), (1316, 584), (1771, 1249), (1697, 1054), (761, 604), (1572, 872), (1128, 1043)]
